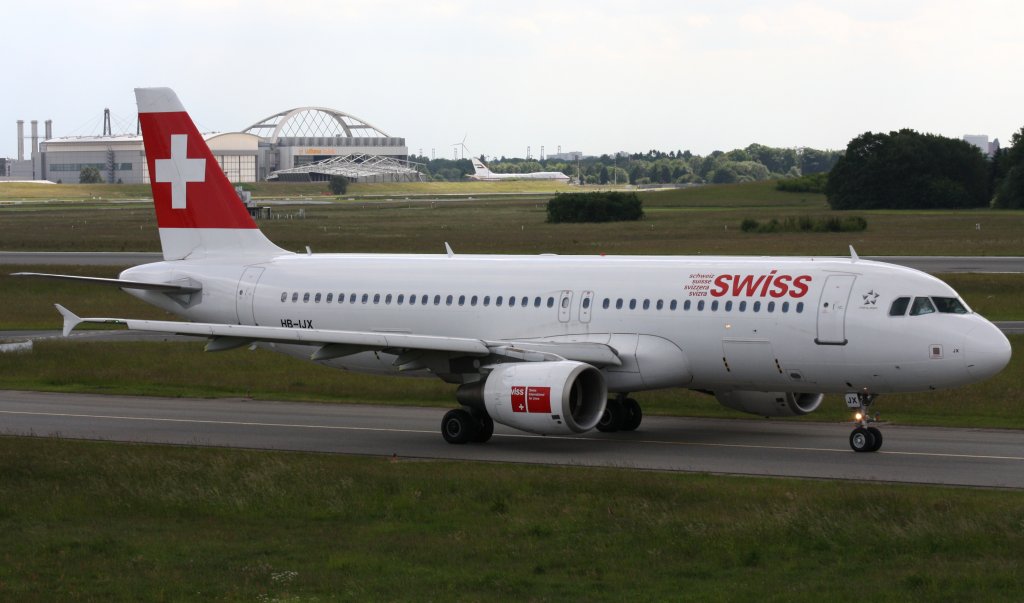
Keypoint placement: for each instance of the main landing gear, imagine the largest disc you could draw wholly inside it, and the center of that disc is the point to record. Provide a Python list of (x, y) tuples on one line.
[(466, 424), (620, 414), (864, 437)]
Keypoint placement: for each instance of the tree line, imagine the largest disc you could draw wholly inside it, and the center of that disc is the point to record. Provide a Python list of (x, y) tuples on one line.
[(754, 163), (905, 169)]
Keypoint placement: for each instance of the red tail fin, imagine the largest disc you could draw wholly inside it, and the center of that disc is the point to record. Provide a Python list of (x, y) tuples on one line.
[(197, 210)]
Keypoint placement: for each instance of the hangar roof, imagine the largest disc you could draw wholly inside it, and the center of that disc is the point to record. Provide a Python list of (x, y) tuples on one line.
[(313, 122)]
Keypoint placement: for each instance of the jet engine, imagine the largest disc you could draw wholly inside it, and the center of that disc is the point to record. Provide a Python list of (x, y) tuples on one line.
[(549, 398), (770, 404)]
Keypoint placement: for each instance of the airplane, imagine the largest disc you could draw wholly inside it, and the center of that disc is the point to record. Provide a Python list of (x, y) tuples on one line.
[(482, 172), (546, 344)]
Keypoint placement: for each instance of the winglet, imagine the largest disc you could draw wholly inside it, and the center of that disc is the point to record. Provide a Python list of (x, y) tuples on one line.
[(853, 254), (71, 320)]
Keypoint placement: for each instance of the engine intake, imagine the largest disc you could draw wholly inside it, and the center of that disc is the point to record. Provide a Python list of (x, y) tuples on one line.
[(549, 398), (770, 404)]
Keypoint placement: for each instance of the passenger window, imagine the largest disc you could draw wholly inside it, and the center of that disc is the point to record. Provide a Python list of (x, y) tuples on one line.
[(799, 307), (284, 296), (714, 306), (565, 302), (352, 298), (401, 298), (949, 305), (618, 304), (295, 297), (672, 305), (412, 300), (366, 297), (899, 306), (686, 305), (526, 301), (316, 298), (487, 300), (700, 306), (305, 297), (632, 304), (647, 304), (437, 300), (607, 302), (512, 301), (728, 306), (660, 304), (922, 305), (757, 306), (376, 298), (473, 300), (586, 303), (743, 306), (498, 301), (771, 306), (330, 298), (462, 300), (785, 307), (423, 300), (536, 302)]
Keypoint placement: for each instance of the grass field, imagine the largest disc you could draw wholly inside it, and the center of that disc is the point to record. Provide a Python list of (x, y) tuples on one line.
[(96, 521), (702, 220)]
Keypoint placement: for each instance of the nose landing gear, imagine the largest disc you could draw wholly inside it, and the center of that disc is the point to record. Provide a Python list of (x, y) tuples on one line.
[(864, 438)]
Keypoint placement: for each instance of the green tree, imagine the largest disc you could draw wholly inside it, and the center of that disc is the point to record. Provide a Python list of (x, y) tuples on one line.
[(908, 170), (1010, 184), (339, 184), (90, 175)]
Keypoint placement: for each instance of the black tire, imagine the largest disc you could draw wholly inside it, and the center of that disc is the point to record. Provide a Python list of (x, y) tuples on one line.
[(861, 440), (611, 418), (632, 415), (877, 434), (484, 426), (458, 426)]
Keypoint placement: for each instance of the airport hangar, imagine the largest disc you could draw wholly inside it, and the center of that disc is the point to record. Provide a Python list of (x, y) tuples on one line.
[(301, 144)]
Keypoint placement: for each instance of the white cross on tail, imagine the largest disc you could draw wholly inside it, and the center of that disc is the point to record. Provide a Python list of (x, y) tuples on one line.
[(180, 170)]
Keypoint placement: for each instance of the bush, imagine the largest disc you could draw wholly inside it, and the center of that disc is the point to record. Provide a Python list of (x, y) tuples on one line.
[(339, 184), (807, 224), (812, 183), (594, 207), (90, 175)]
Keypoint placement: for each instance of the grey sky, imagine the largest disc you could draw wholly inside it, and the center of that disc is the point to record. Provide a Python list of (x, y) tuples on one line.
[(594, 76)]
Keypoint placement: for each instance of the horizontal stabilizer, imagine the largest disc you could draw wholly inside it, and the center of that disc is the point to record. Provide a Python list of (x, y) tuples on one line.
[(117, 282)]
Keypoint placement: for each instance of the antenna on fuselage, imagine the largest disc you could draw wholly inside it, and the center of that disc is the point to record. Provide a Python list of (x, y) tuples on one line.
[(448, 250), (853, 254)]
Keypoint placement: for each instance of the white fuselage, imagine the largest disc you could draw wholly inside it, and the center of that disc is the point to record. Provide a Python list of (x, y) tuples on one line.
[(707, 323)]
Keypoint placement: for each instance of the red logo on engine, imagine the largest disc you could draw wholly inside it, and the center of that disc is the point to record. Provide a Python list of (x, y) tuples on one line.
[(531, 399)]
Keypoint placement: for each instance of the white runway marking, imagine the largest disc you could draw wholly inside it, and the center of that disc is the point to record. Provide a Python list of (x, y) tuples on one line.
[(529, 436)]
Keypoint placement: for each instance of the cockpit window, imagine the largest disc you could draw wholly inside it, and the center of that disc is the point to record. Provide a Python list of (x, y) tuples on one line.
[(949, 305), (899, 306), (922, 305)]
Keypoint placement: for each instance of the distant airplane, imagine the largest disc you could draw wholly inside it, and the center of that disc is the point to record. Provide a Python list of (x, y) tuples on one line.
[(547, 344), (481, 172)]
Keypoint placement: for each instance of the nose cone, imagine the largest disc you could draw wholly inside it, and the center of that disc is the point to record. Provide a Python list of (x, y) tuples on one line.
[(987, 351)]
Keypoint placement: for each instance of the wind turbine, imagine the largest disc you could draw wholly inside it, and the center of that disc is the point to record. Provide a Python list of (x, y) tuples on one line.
[(462, 145)]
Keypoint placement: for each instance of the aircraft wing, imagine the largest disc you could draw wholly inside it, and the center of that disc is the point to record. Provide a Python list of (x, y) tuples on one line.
[(335, 344)]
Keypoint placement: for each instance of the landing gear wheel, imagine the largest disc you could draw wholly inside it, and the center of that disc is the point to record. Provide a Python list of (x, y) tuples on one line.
[(458, 426), (484, 426), (862, 440), (611, 419), (877, 434), (632, 415)]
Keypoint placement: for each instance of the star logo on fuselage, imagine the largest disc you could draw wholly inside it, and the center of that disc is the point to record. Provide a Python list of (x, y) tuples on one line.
[(870, 298)]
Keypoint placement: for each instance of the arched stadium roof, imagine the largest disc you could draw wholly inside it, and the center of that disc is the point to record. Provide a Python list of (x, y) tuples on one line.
[(313, 122)]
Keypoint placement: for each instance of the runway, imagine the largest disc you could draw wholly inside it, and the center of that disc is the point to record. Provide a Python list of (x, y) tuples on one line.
[(924, 455), (930, 264)]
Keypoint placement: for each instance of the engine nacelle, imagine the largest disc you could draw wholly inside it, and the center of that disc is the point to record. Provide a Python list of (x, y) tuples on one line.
[(549, 398), (770, 404)]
